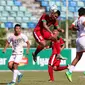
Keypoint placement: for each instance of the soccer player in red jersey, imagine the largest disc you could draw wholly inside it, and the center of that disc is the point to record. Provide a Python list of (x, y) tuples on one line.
[(42, 31), (54, 62)]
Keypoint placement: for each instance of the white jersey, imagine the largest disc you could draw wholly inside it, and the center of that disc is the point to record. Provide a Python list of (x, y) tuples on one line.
[(81, 28), (17, 43)]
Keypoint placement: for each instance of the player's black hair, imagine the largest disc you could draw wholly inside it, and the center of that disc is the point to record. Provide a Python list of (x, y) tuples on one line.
[(81, 11), (17, 25), (58, 12)]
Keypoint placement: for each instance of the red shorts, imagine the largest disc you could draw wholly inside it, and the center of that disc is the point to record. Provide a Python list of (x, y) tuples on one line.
[(46, 35), (41, 35), (53, 61), (37, 35)]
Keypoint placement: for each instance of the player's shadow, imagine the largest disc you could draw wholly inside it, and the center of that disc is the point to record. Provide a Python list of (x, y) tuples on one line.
[(3, 83)]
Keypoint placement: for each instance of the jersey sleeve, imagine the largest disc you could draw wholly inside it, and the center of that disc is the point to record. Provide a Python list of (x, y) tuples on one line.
[(83, 19), (9, 39), (25, 38), (75, 22), (43, 18), (62, 41)]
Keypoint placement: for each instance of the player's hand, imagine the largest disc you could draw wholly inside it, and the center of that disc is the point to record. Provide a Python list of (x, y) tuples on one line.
[(3, 51), (27, 52), (62, 31)]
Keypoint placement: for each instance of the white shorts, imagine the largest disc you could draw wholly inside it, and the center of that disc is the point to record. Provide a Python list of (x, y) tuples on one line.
[(16, 58), (80, 44)]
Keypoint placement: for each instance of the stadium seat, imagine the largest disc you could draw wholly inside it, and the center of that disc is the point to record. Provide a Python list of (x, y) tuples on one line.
[(18, 19), (80, 4), (3, 3), (5, 13), (17, 3), (31, 25), (11, 19), (2, 25), (15, 8), (58, 3), (72, 3), (1, 8), (3, 19), (20, 14), (10, 3), (8, 8), (13, 14), (25, 19), (28, 14), (8, 24), (63, 9), (22, 8), (44, 3), (71, 9), (24, 25)]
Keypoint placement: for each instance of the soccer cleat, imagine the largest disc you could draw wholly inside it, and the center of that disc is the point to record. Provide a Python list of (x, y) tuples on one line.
[(69, 76), (51, 80), (19, 77), (84, 72), (11, 83), (34, 57)]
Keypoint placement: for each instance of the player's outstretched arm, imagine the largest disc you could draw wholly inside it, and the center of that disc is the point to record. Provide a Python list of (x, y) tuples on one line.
[(6, 45), (28, 47)]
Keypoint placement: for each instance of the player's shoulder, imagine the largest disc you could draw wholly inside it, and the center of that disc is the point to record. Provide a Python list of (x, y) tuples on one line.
[(82, 17), (23, 35)]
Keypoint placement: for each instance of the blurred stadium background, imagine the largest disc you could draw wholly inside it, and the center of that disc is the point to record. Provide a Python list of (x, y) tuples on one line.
[(28, 12)]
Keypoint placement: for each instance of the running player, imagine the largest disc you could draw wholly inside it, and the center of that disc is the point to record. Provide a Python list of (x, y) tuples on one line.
[(54, 62), (17, 40), (79, 25), (42, 31)]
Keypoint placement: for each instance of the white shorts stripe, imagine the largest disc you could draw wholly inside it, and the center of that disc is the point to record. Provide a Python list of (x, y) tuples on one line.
[(36, 36), (52, 60)]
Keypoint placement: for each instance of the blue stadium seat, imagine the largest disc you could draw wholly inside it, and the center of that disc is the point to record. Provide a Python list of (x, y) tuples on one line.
[(17, 3), (31, 25), (72, 3), (8, 24), (63, 9), (44, 3), (71, 9), (58, 3)]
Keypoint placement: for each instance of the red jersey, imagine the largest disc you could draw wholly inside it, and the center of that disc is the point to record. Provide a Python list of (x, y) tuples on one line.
[(57, 45), (45, 18)]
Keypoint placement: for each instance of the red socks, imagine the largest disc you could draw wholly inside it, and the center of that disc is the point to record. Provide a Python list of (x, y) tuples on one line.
[(60, 68), (39, 48), (50, 71)]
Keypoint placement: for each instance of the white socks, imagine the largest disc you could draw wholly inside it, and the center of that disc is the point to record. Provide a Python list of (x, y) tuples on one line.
[(15, 74), (71, 68)]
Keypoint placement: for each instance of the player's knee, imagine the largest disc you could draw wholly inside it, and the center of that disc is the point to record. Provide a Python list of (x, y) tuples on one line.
[(10, 66), (55, 68)]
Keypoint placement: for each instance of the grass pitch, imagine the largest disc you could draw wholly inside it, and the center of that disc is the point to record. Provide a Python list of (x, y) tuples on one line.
[(41, 78)]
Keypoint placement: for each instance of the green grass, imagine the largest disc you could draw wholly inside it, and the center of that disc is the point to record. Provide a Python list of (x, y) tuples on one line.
[(41, 78)]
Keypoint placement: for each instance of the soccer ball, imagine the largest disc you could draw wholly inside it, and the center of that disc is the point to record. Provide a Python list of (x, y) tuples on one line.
[(53, 8)]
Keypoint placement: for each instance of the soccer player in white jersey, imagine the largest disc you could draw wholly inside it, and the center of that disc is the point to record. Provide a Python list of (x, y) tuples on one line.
[(78, 25), (17, 39)]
